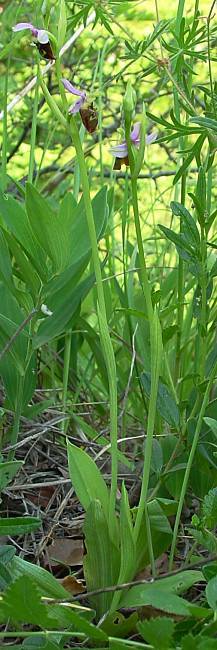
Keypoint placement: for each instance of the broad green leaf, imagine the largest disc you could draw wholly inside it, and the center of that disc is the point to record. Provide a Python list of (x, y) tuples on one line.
[(86, 478), (184, 249), (212, 424), (18, 525), (13, 364), (51, 232), (211, 593), (5, 264), (7, 552), (128, 550), (210, 571), (63, 305), (156, 456), (166, 404), (149, 594), (101, 563), (7, 472), (5, 577), (45, 581), (16, 220), (190, 228), (26, 270), (180, 582), (64, 236)]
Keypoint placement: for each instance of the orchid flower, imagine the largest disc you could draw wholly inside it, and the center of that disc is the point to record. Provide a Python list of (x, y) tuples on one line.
[(40, 34), (75, 108), (42, 39), (121, 151), (82, 106)]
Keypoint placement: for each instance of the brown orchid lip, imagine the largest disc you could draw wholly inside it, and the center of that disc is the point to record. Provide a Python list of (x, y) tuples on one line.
[(121, 161), (45, 50), (89, 118)]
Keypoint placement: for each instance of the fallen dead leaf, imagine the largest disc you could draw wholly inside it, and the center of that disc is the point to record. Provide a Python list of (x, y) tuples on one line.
[(67, 551), (71, 584)]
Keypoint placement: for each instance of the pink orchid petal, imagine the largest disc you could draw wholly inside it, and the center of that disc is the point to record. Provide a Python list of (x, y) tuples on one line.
[(71, 89), (75, 108), (151, 138), (135, 133), (43, 37), (20, 26), (119, 151)]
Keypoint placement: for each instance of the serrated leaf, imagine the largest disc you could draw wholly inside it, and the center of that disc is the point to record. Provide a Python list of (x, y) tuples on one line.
[(22, 603), (209, 508), (158, 632)]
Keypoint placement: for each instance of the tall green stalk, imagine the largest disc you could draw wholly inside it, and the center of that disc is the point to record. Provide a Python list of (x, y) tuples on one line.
[(5, 133), (156, 349), (33, 130)]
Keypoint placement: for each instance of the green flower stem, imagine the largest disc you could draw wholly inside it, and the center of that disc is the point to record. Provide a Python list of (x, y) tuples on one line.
[(66, 368), (60, 84), (31, 318), (53, 105), (156, 356), (68, 336), (5, 133), (104, 330), (33, 130), (203, 320), (156, 359), (142, 264), (190, 463), (180, 292), (17, 416)]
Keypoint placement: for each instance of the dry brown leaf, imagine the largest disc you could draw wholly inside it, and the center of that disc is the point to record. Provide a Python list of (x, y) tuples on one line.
[(71, 584), (66, 550)]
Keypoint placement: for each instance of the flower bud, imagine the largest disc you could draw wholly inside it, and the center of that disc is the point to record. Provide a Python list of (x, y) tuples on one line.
[(128, 105)]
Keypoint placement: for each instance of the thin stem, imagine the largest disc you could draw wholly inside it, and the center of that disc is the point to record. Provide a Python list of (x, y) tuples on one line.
[(5, 133), (33, 130), (66, 368), (142, 264), (190, 463), (203, 317)]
